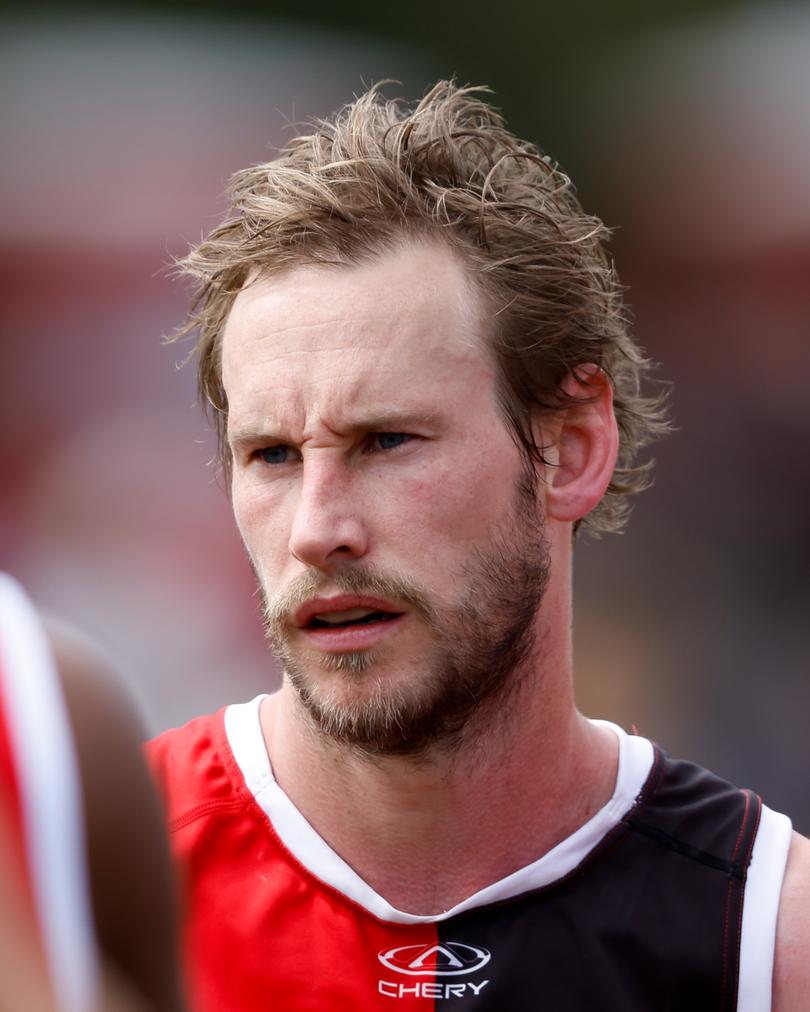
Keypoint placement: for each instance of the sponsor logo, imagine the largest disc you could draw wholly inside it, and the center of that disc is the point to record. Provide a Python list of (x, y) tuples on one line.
[(448, 959), (428, 989)]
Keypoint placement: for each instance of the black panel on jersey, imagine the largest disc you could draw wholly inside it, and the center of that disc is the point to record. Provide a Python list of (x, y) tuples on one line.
[(650, 920)]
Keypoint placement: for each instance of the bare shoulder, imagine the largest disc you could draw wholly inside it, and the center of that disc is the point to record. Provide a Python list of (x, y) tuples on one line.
[(133, 891), (92, 689), (791, 973)]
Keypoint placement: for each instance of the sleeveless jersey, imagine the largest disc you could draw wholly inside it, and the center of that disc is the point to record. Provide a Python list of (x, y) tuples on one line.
[(665, 899), (41, 813)]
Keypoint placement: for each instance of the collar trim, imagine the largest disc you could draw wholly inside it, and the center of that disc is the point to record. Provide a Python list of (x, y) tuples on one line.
[(244, 734)]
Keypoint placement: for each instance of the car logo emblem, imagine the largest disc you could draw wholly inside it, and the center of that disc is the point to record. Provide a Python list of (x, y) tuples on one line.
[(447, 959)]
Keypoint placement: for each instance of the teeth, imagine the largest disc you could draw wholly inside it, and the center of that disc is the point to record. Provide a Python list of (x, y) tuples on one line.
[(349, 615)]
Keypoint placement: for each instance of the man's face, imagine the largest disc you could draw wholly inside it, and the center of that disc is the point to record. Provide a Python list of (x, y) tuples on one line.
[(393, 525)]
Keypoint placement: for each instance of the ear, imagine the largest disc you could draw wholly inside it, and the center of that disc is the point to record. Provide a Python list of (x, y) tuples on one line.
[(585, 440)]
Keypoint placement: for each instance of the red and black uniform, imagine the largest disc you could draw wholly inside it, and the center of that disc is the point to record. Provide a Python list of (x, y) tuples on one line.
[(665, 899)]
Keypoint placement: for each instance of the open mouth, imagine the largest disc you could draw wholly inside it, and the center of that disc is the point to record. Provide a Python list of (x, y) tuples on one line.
[(349, 618)]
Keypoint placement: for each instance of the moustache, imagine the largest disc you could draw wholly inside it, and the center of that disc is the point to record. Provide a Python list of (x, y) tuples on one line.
[(360, 580)]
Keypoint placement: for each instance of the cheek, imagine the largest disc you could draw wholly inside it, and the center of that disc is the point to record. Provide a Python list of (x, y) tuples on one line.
[(260, 519), (458, 502)]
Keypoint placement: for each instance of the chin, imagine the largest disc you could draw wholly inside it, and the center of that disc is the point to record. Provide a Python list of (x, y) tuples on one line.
[(356, 704), (355, 663)]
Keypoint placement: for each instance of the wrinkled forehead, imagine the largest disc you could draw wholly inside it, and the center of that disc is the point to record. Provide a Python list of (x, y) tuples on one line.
[(413, 313)]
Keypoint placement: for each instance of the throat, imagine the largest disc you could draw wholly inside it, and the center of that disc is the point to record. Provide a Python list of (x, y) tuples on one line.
[(427, 836)]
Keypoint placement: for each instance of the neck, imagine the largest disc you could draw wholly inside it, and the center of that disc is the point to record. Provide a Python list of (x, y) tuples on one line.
[(427, 833)]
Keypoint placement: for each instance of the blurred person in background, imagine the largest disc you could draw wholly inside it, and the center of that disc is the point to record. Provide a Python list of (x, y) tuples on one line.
[(414, 347), (87, 919)]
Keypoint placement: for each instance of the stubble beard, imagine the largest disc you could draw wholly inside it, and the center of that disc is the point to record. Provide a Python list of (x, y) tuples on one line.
[(482, 646)]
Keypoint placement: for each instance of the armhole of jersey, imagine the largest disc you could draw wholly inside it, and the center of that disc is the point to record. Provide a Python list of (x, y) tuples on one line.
[(50, 800), (763, 889)]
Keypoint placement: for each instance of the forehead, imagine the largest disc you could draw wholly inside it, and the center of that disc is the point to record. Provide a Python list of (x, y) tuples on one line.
[(315, 339)]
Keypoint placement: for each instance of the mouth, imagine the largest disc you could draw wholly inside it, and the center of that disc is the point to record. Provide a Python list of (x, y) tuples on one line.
[(349, 617), (347, 622)]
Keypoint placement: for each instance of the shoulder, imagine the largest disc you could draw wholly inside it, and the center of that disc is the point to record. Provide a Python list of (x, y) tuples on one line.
[(183, 751), (183, 746), (791, 975), (135, 916), (194, 767), (89, 809), (696, 812)]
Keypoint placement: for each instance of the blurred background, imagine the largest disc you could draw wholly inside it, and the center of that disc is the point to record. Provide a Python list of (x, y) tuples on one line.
[(686, 126)]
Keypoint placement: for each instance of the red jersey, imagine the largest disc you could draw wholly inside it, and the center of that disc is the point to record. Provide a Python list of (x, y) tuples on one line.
[(641, 908), (41, 812)]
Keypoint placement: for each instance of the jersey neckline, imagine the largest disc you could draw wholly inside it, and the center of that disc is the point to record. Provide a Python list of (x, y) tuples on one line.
[(246, 742)]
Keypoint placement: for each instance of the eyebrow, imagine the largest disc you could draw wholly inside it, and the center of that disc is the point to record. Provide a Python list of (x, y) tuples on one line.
[(392, 420), (383, 421)]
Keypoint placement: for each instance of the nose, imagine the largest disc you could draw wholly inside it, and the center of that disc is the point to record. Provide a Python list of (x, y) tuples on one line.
[(327, 528)]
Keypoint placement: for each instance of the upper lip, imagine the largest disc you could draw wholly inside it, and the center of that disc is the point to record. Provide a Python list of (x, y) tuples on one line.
[(321, 605)]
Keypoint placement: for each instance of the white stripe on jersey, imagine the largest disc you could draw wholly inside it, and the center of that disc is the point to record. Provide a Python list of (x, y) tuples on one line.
[(50, 799), (763, 890), (244, 732)]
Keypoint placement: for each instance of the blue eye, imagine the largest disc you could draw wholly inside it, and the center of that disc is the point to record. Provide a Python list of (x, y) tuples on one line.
[(390, 440), (275, 454)]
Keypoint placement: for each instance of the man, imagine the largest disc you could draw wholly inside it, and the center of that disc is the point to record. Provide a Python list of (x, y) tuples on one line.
[(86, 899), (413, 345)]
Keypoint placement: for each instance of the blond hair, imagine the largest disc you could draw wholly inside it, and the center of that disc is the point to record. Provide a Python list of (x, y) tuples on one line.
[(380, 171)]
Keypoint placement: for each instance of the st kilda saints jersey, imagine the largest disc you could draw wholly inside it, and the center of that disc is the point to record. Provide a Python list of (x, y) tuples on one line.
[(41, 811), (665, 900)]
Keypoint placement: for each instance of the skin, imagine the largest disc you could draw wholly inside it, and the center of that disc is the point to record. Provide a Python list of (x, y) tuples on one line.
[(132, 889), (22, 964), (320, 362), (791, 972)]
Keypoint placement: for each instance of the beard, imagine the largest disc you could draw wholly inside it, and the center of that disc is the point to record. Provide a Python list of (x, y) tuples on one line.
[(480, 648)]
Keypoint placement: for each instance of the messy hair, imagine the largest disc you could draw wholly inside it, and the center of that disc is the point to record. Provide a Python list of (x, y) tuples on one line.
[(445, 169)]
